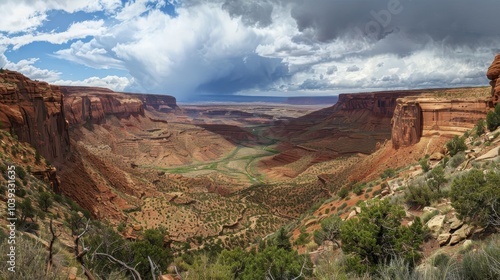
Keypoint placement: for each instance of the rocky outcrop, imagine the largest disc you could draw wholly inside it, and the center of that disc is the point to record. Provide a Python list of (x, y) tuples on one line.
[(493, 74), (92, 105), (34, 112), (419, 116)]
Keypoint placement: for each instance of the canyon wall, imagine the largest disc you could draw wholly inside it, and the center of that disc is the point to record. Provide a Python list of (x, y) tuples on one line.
[(493, 74), (415, 117), (93, 104), (34, 112)]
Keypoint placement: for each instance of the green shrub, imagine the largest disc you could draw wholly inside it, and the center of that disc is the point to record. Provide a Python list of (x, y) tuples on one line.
[(480, 127), (493, 118), (457, 159), (358, 189), (476, 197), (343, 193), (388, 173), (456, 145), (376, 237), (419, 196), (424, 164)]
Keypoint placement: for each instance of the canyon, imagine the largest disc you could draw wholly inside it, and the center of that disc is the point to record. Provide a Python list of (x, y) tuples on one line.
[(225, 173)]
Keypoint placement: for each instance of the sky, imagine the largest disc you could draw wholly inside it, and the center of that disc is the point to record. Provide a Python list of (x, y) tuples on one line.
[(189, 48)]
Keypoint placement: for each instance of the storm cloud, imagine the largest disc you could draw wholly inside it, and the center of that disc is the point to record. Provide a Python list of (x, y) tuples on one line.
[(283, 47)]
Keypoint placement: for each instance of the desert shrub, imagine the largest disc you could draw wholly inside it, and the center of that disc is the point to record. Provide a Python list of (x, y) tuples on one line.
[(483, 263), (329, 230), (45, 201), (480, 127), (436, 179), (476, 197), (457, 159), (493, 118), (419, 195), (31, 257), (388, 173), (358, 189), (455, 145), (375, 237), (424, 164), (343, 193)]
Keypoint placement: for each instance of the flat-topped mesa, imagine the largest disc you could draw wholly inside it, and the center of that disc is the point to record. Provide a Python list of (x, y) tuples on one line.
[(34, 112), (417, 117), (93, 104), (493, 74)]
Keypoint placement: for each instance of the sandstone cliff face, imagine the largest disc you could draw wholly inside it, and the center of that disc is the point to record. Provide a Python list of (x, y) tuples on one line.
[(91, 104), (34, 112), (493, 74), (416, 117)]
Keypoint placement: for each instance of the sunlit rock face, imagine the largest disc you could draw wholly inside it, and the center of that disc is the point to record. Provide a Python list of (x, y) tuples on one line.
[(415, 117), (493, 74), (34, 112)]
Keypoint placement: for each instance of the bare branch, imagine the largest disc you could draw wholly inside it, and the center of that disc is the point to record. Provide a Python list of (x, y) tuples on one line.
[(153, 267), (134, 272), (177, 272)]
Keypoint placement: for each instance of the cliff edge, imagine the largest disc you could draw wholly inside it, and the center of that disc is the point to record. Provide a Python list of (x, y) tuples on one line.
[(34, 112)]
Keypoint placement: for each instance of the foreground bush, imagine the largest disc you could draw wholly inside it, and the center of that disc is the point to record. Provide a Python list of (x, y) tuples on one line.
[(376, 237)]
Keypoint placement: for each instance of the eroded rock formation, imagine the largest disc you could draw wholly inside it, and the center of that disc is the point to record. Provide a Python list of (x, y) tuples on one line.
[(415, 117), (493, 74), (92, 105), (33, 111)]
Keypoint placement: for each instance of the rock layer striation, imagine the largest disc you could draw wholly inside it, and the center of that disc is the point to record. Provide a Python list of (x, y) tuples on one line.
[(423, 116), (34, 112)]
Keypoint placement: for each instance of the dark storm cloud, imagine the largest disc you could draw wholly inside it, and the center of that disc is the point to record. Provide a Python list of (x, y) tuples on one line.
[(251, 12), (452, 21), (250, 72)]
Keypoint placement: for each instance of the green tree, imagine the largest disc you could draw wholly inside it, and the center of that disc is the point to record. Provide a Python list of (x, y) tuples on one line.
[(276, 263), (456, 145), (424, 164), (435, 179), (45, 201), (376, 236), (27, 210), (152, 246), (480, 127), (37, 157), (493, 118), (330, 230), (476, 197), (282, 240)]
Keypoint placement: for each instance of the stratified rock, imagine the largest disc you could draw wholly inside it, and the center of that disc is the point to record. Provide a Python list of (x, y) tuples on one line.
[(455, 223), (493, 74), (461, 234), (416, 117), (93, 104), (443, 239), (33, 111), (435, 224)]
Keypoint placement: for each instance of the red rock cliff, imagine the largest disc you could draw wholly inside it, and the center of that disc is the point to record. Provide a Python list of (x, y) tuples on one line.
[(92, 104), (416, 117), (34, 112), (493, 74)]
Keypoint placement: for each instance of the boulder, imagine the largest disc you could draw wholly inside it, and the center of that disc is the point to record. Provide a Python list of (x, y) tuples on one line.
[(443, 239), (455, 223), (436, 156), (467, 244), (352, 214), (435, 224), (461, 234)]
